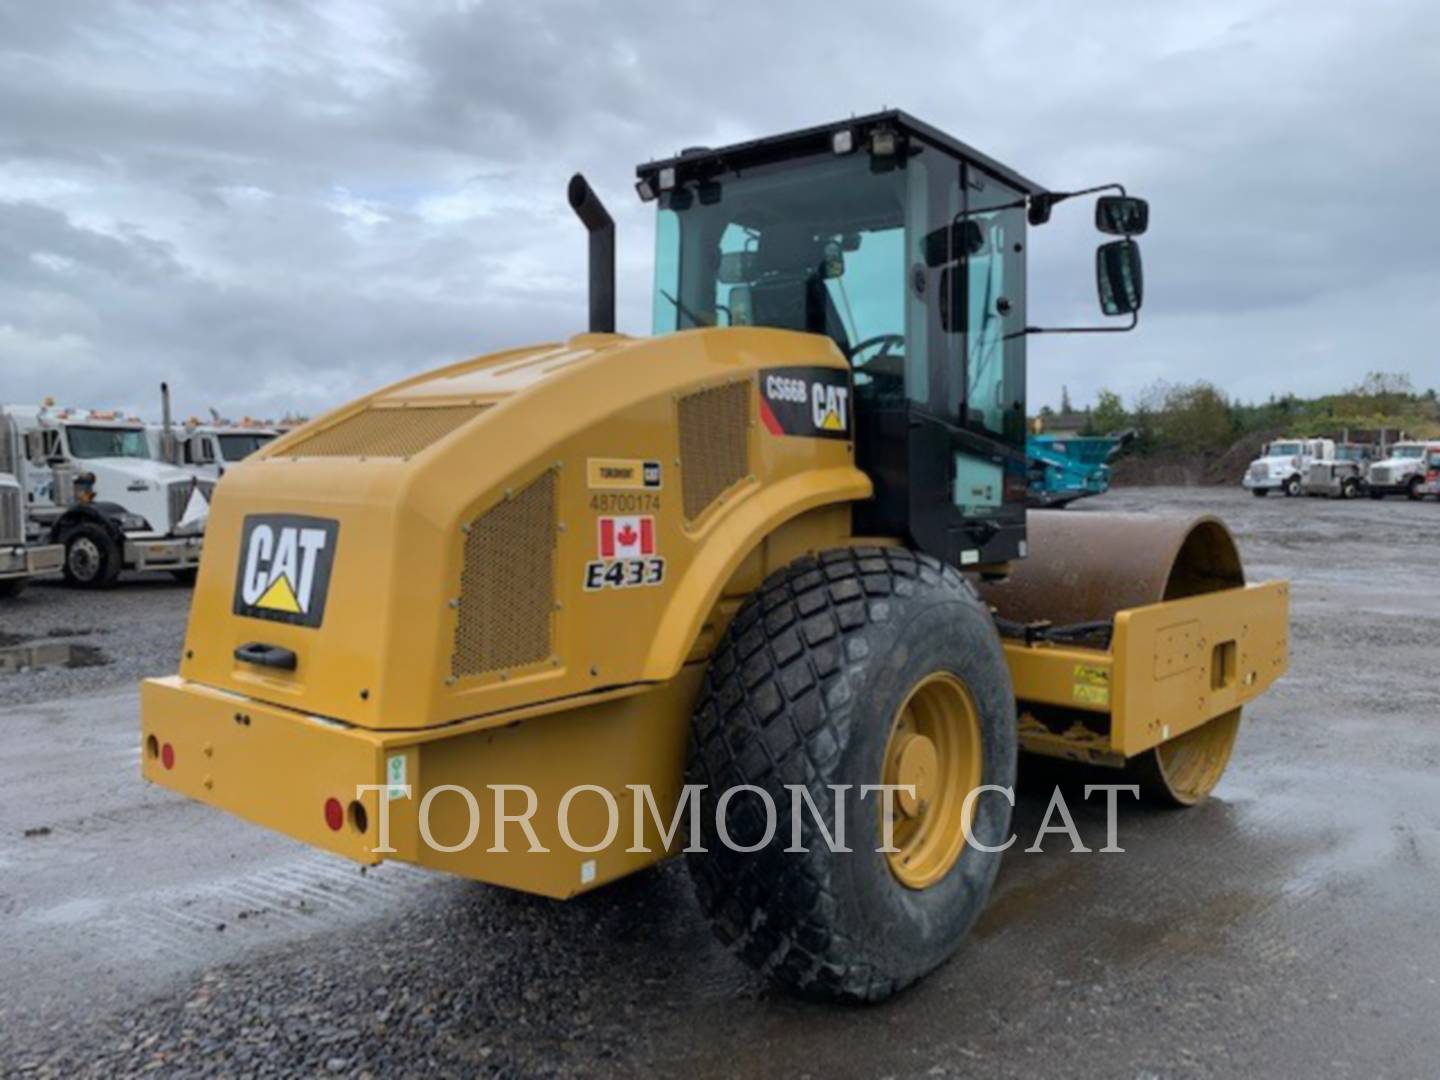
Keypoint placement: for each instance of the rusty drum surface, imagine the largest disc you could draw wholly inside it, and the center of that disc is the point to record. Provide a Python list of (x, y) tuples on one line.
[(1087, 566)]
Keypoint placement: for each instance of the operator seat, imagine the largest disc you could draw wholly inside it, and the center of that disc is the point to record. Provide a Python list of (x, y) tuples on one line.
[(789, 290)]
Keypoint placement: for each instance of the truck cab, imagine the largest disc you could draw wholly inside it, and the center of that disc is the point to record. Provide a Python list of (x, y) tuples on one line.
[(1403, 472), (1282, 465), (207, 450), (1431, 484), (91, 480)]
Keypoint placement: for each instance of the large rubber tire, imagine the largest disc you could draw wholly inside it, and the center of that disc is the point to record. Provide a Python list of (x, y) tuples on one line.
[(1291, 487), (1412, 489), (1350, 488), (92, 558), (804, 689)]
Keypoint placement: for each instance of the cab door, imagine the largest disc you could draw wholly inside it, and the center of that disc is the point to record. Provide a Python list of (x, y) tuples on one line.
[(967, 434)]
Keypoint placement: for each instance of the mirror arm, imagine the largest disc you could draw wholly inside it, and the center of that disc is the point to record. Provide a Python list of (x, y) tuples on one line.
[(1134, 321), (1041, 203)]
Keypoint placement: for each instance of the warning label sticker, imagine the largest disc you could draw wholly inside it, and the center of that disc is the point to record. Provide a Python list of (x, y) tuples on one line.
[(1092, 685)]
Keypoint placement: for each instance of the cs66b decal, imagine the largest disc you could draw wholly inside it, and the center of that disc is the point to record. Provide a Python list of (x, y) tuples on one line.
[(809, 401)]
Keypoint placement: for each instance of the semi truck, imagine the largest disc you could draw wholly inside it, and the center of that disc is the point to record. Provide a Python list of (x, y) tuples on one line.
[(90, 481), (1403, 471), (1283, 463)]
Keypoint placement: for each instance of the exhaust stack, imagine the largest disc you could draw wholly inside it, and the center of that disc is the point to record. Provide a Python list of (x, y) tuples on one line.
[(597, 220), (168, 450)]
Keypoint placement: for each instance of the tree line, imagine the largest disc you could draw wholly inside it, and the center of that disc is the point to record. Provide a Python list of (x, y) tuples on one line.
[(1199, 418)]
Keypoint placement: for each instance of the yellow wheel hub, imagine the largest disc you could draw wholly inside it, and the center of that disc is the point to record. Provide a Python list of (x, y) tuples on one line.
[(934, 748)]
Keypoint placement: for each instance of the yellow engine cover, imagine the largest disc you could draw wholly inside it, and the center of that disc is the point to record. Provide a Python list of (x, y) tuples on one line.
[(519, 528)]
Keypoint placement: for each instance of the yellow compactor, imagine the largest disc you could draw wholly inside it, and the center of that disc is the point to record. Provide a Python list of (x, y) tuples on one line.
[(545, 617)]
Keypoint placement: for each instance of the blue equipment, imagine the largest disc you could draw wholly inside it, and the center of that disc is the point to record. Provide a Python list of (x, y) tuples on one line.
[(1064, 468)]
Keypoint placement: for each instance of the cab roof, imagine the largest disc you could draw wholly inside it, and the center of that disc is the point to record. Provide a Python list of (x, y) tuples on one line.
[(704, 162)]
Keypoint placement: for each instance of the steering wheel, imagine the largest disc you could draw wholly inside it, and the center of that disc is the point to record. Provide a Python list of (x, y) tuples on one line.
[(886, 342)]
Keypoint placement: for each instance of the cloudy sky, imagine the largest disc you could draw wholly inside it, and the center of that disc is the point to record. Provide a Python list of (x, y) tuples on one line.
[(278, 205)]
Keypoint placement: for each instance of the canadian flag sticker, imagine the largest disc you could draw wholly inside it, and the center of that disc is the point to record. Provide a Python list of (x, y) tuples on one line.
[(627, 537)]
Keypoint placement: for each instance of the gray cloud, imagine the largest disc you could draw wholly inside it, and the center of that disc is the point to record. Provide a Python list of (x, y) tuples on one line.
[(277, 208)]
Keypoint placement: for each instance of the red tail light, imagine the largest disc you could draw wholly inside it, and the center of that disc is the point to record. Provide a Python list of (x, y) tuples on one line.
[(167, 756), (334, 814)]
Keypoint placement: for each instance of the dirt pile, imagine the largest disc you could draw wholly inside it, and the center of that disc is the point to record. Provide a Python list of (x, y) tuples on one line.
[(1173, 468)]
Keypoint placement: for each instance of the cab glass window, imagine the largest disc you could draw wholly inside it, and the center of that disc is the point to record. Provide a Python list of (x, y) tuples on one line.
[(816, 245), (100, 442)]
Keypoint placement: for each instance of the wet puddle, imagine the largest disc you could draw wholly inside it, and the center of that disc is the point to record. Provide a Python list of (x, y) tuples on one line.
[(54, 654)]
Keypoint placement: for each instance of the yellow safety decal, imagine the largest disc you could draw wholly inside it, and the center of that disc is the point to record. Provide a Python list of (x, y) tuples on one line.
[(1092, 685), (624, 474)]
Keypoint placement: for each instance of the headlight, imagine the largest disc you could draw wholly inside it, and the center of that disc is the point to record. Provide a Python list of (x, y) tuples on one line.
[(133, 523)]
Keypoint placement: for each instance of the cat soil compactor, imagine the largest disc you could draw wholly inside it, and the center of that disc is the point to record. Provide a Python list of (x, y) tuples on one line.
[(781, 542)]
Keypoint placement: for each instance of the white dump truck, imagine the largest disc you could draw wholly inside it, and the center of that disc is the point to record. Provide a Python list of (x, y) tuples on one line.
[(1403, 471), (90, 481), (1282, 464)]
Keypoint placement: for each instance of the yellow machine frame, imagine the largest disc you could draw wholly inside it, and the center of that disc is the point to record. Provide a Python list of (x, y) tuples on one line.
[(374, 698)]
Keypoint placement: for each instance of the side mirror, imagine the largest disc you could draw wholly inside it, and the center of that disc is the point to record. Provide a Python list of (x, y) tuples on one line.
[(736, 267), (960, 240), (833, 264), (1118, 277), (1121, 215), (1041, 203)]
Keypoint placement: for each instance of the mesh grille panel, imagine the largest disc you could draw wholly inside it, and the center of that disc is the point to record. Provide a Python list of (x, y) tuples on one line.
[(8, 443), (507, 588), (177, 497), (714, 443), (12, 525), (388, 433)]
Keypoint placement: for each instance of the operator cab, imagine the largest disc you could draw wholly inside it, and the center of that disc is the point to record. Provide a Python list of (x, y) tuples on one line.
[(907, 249)]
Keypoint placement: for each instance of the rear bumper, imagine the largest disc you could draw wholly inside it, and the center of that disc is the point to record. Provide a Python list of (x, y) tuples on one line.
[(268, 765), (30, 561), (166, 553), (277, 768)]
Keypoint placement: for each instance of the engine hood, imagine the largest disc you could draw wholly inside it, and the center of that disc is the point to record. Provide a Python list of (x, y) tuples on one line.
[(515, 529), (129, 470)]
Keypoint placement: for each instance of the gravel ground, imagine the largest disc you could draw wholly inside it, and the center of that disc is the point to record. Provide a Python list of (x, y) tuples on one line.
[(1285, 928), (118, 635)]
